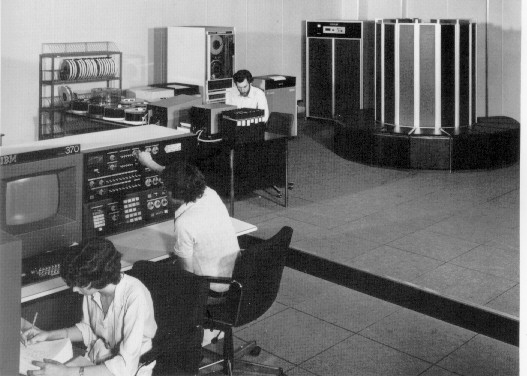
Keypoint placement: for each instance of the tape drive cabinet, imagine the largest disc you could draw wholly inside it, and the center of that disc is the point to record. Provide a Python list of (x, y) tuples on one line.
[(201, 56)]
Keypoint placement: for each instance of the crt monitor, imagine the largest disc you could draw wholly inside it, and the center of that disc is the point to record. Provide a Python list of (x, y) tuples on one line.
[(41, 199)]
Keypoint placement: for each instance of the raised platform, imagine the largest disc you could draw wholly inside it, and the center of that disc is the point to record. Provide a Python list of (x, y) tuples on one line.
[(490, 143)]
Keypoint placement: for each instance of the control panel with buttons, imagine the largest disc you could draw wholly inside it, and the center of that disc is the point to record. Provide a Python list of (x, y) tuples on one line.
[(121, 194)]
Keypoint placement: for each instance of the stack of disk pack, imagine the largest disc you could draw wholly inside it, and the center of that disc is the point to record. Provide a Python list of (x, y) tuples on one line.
[(242, 125), (105, 103)]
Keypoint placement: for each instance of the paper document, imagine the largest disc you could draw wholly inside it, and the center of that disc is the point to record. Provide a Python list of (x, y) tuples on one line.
[(59, 350), (277, 78)]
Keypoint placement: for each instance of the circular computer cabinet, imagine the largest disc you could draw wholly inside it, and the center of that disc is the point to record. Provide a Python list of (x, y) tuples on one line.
[(425, 75)]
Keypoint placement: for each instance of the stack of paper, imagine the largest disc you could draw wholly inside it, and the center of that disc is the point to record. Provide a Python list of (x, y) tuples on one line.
[(59, 350)]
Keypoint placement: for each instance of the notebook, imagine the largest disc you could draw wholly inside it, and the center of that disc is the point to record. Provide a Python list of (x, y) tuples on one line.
[(59, 350)]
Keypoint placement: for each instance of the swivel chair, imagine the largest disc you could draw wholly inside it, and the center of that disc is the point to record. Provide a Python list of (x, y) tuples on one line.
[(253, 289), (180, 299), (280, 123)]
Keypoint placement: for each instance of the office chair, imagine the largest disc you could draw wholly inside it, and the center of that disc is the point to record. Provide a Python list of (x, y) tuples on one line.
[(280, 123), (253, 289), (180, 299)]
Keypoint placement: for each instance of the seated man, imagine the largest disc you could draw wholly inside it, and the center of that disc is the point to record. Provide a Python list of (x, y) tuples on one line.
[(245, 95), (205, 239)]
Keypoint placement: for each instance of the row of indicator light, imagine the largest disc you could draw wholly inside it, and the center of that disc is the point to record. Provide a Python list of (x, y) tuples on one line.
[(114, 180), (49, 270), (119, 189), (249, 122)]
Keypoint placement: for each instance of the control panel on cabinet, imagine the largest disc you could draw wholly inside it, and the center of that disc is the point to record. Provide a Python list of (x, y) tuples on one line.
[(120, 194)]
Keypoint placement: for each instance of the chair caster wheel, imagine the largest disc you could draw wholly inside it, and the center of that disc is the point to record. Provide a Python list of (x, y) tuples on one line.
[(279, 196), (256, 351), (281, 372)]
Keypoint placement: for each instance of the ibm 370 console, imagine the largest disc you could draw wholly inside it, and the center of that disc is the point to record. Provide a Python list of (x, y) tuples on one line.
[(91, 185)]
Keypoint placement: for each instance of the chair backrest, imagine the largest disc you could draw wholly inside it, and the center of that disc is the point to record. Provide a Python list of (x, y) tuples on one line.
[(280, 123), (259, 270), (180, 299)]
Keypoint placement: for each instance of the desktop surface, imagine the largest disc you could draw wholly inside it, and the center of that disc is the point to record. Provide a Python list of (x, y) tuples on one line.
[(151, 242)]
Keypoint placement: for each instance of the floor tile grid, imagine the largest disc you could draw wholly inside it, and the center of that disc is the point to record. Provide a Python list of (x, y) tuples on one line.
[(438, 363), (277, 359), (407, 231), (273, 217), (298, 239)]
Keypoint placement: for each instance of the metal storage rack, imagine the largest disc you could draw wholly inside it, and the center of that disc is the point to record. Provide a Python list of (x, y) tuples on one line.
[(72, 63)]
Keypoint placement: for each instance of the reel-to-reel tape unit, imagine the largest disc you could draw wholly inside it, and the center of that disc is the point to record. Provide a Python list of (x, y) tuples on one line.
[(221, 46), (201, 56)]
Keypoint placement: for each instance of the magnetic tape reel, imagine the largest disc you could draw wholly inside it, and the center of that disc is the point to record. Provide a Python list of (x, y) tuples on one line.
[(87, 68), (96, 109), (216, 44), (135, 116), (68, 96), (217, 70), (114, 113), (80, 106)]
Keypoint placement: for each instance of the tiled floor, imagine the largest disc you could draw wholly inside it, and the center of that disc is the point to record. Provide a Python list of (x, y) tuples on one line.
[(454, 233)]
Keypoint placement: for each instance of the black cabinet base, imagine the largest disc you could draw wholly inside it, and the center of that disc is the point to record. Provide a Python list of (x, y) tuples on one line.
[(257, 165), (491, 143)]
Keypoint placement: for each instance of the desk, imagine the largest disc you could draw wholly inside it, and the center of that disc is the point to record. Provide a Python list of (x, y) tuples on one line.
[(152, 243), (246, 167)]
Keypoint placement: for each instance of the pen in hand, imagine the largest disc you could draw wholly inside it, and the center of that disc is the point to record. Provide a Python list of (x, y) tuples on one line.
[(30, 329), (23, 338), (34, 320)]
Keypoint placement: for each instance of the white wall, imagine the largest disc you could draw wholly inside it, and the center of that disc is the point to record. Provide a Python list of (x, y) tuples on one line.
[(269, 39)]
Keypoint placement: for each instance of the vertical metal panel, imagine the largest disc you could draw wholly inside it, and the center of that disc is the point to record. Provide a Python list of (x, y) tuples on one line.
[(396, 73), (348, 76), (333, 78), (10, 310), (438, 79), (425, 74), (464, 74), (389, 72), (448, 67), (473, 66), (417, 77), (319, 77), (427, 69), (378, 72), (406, 69), (456, 76)]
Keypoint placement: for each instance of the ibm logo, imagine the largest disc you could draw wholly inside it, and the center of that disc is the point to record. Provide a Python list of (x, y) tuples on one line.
[(7, 159)]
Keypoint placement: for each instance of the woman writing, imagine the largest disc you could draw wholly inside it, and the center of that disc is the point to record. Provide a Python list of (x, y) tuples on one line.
[(118, 316)]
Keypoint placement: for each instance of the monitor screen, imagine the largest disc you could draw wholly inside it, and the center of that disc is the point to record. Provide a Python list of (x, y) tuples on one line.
[(41, 201), (31, 199)]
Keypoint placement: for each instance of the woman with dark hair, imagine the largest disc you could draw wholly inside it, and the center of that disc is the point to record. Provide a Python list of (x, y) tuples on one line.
[(118, 315), (205, 239)]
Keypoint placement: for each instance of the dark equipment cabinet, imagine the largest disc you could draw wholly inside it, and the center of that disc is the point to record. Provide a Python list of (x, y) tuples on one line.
[(257, 165), (339, 69)]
